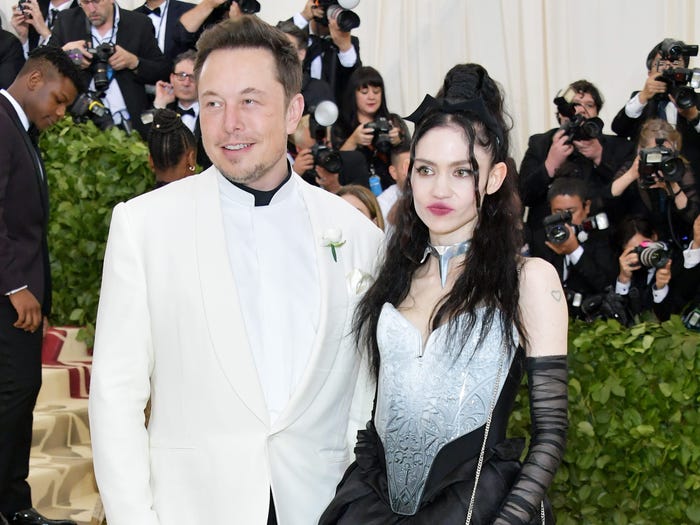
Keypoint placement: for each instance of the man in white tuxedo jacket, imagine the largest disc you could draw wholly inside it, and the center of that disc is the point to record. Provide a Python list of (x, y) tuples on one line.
[(227, 300)]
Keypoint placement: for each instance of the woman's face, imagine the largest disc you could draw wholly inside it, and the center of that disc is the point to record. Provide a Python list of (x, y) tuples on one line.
[(443, 184), (636, 240), (368, 100)]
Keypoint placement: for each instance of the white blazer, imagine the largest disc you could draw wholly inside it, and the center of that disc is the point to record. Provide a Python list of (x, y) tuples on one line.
[(169, 327)]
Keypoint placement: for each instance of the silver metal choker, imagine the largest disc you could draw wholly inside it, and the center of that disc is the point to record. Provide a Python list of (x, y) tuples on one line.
[(444, 254)]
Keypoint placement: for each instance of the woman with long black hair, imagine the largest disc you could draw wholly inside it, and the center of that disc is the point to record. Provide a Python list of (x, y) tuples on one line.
[(453, 320)]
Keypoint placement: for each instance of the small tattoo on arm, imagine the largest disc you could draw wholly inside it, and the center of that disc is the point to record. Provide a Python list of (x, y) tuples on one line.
[(556, 294)]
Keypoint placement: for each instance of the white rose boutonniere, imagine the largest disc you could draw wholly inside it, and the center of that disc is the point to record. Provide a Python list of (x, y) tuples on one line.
[(333, 238)]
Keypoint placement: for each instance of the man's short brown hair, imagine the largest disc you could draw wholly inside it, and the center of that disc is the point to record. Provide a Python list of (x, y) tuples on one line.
[(251, 32)]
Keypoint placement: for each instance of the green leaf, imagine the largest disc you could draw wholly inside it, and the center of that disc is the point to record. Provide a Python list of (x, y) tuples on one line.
[(586, 428)]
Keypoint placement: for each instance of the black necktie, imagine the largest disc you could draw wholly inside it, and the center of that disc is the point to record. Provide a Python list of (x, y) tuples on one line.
[(52, 19), (155, 11), (189, 112), (661, 109)]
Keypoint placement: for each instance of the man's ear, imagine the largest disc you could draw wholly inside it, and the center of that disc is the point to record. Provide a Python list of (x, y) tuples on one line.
[(295, 110), (586, 207), (35, 80), (496, 177)]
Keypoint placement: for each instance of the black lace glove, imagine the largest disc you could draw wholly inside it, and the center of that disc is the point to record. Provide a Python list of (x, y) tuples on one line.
[(547, 384)]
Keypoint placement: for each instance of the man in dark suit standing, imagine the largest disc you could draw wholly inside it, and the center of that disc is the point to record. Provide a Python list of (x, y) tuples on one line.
[(594, 160), (34, 21), (135, 59), (165, 17), (45, 86)]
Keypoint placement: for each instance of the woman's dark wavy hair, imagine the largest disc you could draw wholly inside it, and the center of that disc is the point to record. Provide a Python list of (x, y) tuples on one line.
[(362, 77), (489, 276)]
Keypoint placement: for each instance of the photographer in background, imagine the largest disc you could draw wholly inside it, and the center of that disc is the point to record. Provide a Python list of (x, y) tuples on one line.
[(332, 54), (33, 20), (577, 245), (117, 49), (659, 184), (596, 158), (367, 126), (653, 101), (313, 90), (645, 270)]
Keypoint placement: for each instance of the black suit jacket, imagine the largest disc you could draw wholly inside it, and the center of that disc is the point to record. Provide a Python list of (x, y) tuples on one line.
[(332, 71), (174, 41), (24, 211), (534, 182), (11, 58), (135, 34), (595, 269)]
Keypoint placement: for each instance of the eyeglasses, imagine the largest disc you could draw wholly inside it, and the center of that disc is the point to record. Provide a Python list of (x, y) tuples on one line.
[(668, 63), (184, 76)]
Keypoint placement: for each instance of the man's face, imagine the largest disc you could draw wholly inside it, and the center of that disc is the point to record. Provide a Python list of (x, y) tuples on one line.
[(572, 203), (659, 65), (183, 82), (301, 52), (244, 117), (585, 105), (50, 97), (98, 12)]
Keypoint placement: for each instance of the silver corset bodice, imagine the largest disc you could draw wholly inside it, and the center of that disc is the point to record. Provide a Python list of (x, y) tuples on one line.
[(429, 396)]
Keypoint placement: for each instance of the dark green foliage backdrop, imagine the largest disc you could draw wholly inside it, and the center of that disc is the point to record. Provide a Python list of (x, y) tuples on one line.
[(633, 453), (89, 172)]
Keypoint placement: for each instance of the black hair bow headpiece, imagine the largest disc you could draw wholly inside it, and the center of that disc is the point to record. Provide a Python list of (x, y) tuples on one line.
[(443, 105)]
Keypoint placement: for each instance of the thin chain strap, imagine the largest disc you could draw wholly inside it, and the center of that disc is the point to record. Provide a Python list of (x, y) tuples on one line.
[(496, 386), (480, 463)]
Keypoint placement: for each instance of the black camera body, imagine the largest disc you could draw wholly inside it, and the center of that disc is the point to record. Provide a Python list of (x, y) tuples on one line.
[(327, 157), (23, 10), (681, 84), (556, 232), (89, 107), (347, 20), (248, 7), (672, 50), (659, 163), (381, 140), (101, 70), (653, 254), (579, 127)]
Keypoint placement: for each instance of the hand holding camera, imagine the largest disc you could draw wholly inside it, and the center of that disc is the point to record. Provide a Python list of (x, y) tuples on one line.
[(123, 59), (558, 152), (28, 13), (362, 136), (78, 53)]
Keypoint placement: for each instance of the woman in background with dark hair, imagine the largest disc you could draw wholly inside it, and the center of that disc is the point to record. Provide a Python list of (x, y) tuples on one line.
[(453, 319), (366, 124), (172, 148)]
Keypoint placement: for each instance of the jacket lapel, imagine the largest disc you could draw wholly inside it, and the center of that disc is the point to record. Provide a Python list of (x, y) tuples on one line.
[(334, 313), (220, 298)]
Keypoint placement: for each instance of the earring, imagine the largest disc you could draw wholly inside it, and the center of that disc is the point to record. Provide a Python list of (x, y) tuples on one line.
[(191, 168)]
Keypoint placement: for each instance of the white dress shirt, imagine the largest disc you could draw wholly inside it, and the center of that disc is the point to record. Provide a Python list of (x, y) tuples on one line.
[(273, 259)]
